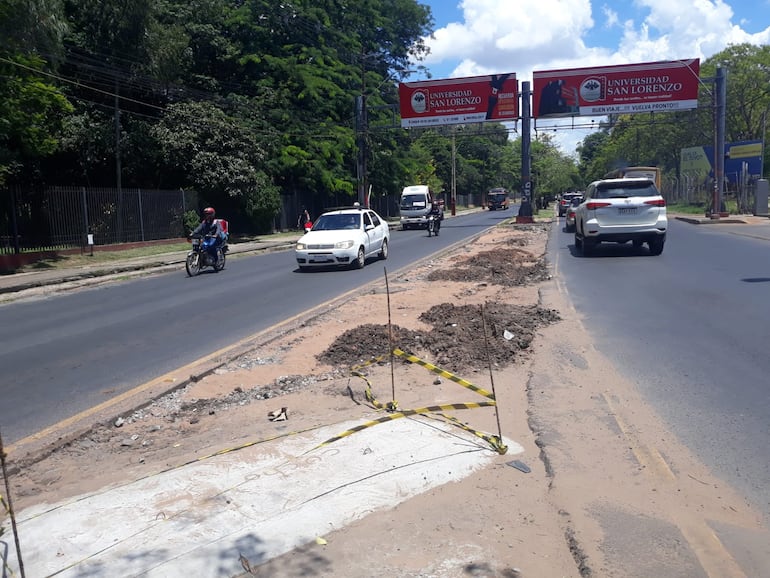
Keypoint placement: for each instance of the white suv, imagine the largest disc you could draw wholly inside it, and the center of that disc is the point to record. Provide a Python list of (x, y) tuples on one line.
[(621, 210)]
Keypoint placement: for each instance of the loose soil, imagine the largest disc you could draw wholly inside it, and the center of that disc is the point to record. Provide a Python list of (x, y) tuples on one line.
[(488, 312)]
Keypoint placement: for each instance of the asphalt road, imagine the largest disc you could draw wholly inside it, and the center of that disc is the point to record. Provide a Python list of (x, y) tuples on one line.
[(692, 329), (67, 353)]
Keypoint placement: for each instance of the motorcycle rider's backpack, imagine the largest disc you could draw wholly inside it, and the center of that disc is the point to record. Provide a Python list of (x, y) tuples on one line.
[(223, 225)]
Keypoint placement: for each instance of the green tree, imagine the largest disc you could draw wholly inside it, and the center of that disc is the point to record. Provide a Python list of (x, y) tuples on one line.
[(222, 160), (552, 171), (31, 107)]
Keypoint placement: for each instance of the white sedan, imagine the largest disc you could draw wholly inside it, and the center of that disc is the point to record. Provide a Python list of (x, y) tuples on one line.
[(343, 237)]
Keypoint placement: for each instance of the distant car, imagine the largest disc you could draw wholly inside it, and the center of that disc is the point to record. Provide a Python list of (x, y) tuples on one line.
[(564, 202), (497, 199), (343, 237), (619, 211), (569, 218)]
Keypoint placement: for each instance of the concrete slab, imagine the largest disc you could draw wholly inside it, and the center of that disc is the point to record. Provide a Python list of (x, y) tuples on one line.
[(260, 502)]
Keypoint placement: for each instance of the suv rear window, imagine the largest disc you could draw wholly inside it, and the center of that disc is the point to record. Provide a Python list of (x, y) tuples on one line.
[(623, 190)]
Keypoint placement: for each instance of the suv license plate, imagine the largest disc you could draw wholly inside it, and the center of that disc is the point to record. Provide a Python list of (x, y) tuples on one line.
[(627, 211)]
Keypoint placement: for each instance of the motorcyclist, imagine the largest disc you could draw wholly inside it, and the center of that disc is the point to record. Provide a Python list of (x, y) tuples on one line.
[(209, 226), (437, 213)]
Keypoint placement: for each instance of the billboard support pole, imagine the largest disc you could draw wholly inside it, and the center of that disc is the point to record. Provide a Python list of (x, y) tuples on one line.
[(525, 210), (720, 90)]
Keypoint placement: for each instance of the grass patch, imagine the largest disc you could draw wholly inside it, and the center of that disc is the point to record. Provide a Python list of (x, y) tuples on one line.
[(104, 257), (686, 209)]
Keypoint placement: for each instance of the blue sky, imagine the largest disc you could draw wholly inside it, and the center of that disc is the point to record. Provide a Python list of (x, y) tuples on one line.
[(473, 37)]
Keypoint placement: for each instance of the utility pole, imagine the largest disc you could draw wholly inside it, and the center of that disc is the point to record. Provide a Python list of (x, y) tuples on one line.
[(118, 167), (361, 144), (525, 210), (719, 99), (362, 129), (719, 153)]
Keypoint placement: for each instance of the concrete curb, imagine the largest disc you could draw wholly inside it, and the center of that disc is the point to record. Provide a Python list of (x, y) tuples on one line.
[(33, 280)]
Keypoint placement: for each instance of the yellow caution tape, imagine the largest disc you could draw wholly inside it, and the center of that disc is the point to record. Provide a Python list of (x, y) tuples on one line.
[(409, 412), (392, 406), (443, 373)]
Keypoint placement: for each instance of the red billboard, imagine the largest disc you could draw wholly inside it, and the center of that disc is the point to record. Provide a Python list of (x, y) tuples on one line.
[(492, 98), (622, 89)]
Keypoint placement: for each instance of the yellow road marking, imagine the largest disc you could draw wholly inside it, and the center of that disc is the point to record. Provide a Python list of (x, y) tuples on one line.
[(647, 456)]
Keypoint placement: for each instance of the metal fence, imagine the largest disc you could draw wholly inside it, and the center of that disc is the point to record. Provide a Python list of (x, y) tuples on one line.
[(58, 218), (55, 218), (698, 189)]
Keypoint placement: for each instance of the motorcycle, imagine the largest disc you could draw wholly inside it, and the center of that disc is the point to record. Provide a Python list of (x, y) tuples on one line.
[(433, 225), (200, 254)]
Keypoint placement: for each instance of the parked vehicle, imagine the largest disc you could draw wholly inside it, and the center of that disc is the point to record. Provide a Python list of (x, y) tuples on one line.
[(619, 211), (414, 206), (497, 198), (205, 253), (343, 237)]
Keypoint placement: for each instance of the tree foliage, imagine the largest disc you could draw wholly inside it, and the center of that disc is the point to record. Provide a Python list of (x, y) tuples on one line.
[(241, 100), (32, 108)]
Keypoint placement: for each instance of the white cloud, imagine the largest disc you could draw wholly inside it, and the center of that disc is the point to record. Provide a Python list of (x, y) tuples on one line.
[(505, 36), (611, 17), (698, 28)]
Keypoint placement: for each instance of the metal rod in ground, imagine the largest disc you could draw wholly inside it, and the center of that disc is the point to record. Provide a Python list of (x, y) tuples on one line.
[(390, 340), (10, 506), (491, 375)]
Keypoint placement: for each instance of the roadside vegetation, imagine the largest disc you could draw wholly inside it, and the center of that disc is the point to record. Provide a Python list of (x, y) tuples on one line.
[(251, 103)]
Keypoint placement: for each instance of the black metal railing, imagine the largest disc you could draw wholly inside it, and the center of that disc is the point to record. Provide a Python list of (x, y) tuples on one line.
[(55, 218)]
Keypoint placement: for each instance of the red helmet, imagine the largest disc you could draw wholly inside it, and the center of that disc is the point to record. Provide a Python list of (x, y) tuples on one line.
[(209, 211)]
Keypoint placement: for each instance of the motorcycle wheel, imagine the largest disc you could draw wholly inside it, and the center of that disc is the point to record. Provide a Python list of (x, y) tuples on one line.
[(220, 262), (430, 228), (193, 264)]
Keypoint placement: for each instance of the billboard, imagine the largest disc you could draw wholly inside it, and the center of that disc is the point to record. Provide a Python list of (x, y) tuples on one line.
[(621, 89), (492, 98), (741, 158)]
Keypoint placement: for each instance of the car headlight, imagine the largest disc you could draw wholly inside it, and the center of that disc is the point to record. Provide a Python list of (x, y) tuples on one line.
[(343, 244), (301, 246)]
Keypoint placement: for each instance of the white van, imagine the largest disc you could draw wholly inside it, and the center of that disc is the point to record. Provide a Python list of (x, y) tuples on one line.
[(414, 206)]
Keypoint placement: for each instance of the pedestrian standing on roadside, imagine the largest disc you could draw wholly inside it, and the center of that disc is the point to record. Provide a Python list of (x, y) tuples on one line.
[(304, 217)]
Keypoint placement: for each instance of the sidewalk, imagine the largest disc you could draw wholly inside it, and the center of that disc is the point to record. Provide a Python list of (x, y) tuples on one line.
[(32, 279), (729, 220), (207, 518)]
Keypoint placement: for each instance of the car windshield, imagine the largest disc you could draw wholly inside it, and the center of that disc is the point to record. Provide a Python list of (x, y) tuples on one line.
[(337, 221), (622, 191), (496, 196), (409, 201)]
